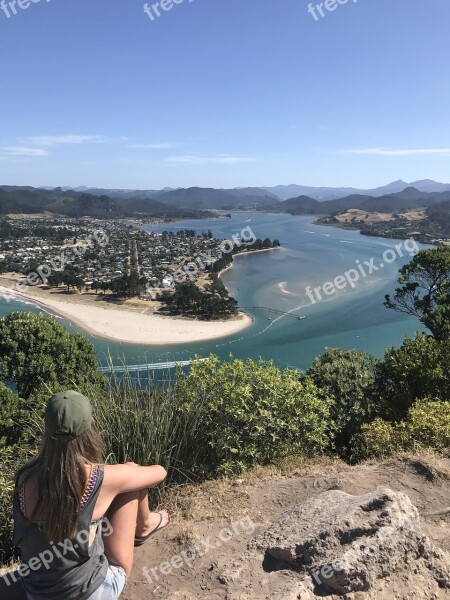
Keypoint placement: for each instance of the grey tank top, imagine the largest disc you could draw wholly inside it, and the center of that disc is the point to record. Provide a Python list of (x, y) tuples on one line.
[(70, 570)]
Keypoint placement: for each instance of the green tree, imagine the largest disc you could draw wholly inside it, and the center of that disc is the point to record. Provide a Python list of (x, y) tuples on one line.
[(417, 370), (70, 278), (425, 290), (56, 279), (128, 286), (216, 301), (39, 355), (186, 297), (347, 377)]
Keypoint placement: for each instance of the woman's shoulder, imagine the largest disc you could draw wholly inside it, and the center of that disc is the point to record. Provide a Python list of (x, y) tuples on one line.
[(23, 474)]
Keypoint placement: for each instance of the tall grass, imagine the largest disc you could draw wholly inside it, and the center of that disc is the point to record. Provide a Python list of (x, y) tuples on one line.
[(146, 425)]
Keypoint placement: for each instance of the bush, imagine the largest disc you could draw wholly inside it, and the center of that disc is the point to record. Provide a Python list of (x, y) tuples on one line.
[(11, 459), (6, 512), (378, 439), (40, 356), (11, 417), (346, 376), (218, 419), (252, 413), (417, 370), (427, 427)]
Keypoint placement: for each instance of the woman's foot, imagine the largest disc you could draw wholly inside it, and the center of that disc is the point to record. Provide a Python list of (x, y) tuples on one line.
[(156, 522)]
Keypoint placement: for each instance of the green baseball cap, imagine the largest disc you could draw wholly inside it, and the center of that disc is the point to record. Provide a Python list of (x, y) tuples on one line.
[(68, 414)]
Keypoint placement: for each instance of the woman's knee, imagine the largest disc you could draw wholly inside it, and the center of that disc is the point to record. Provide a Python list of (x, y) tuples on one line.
[(127, 499)]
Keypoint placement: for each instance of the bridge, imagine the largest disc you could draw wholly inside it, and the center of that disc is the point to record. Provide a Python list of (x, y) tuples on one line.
[(149, 367), (275, 312)]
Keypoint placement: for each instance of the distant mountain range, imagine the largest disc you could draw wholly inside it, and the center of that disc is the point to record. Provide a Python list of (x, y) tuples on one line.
[(195, 202), (328, 193), (263, 195), (408, 198)]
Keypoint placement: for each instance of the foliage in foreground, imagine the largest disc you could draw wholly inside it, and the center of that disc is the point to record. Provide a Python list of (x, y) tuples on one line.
[(39, 356), (11, 459), (221, 418), (417, 370), (426, 427), (347, 377), (146, 426), (253, 413)]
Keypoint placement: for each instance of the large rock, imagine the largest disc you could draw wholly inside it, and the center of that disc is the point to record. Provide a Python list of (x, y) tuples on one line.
[(345, 544)]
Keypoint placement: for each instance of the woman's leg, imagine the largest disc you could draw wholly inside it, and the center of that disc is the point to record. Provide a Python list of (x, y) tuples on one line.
[(129, 516)]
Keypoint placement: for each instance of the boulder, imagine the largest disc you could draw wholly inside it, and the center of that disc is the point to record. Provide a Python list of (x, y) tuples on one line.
[(344, 544)]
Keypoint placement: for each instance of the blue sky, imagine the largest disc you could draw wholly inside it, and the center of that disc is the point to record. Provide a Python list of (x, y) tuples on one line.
[(224, 93)]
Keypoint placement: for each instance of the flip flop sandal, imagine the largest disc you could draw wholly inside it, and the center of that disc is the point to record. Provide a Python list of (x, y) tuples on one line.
[(138, 541)]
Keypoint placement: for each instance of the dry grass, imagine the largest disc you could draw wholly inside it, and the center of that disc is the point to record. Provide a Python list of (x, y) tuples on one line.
[(8, 569), (364, 217), (414, 215), (370, 218), (229, 498)]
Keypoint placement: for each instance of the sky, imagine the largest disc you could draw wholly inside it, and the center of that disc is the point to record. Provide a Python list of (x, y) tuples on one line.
[(224, 93)]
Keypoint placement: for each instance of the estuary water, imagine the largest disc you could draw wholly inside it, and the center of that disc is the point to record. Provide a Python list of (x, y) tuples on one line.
[(310, 256)]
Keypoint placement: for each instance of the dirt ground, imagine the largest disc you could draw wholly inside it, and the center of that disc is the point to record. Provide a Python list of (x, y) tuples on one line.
[(215, 522)]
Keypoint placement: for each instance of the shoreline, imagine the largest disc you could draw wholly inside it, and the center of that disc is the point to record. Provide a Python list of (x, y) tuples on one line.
[(130, 326), (368, 233), (230, 266)]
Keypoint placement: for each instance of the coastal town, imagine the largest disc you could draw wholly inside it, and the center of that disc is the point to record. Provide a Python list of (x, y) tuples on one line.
[(98, 252), (109, 268)]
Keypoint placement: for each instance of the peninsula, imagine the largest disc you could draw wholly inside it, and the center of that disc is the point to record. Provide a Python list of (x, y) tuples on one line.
[(114, 281)]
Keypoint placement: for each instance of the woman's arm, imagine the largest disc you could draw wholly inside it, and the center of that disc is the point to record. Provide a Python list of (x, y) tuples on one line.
[(130, 477)]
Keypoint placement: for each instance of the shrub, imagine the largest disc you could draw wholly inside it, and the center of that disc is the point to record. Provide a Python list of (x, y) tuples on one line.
[(346, 376), (11, 421), (417, 370), (427, 427), (40, 356), (6, 490), (252, 413), (11, 459), (378, 439)]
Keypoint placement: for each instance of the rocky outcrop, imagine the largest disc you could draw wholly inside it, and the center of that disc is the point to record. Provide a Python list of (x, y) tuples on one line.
[(338, 545)]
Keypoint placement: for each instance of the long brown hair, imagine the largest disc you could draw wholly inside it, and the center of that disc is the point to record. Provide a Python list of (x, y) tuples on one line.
[(60, 474)]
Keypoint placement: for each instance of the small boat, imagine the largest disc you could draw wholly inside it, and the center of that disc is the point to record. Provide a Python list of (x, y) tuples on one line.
[(301, 318)]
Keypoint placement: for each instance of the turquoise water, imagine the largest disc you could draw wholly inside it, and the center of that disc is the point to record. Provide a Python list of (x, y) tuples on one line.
[(311, 255)]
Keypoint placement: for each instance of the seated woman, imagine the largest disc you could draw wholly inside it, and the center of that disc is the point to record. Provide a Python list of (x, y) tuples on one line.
[(77, 521)]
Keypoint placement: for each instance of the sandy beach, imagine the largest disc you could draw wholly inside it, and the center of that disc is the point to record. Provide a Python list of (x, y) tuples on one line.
[(125, 323)]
